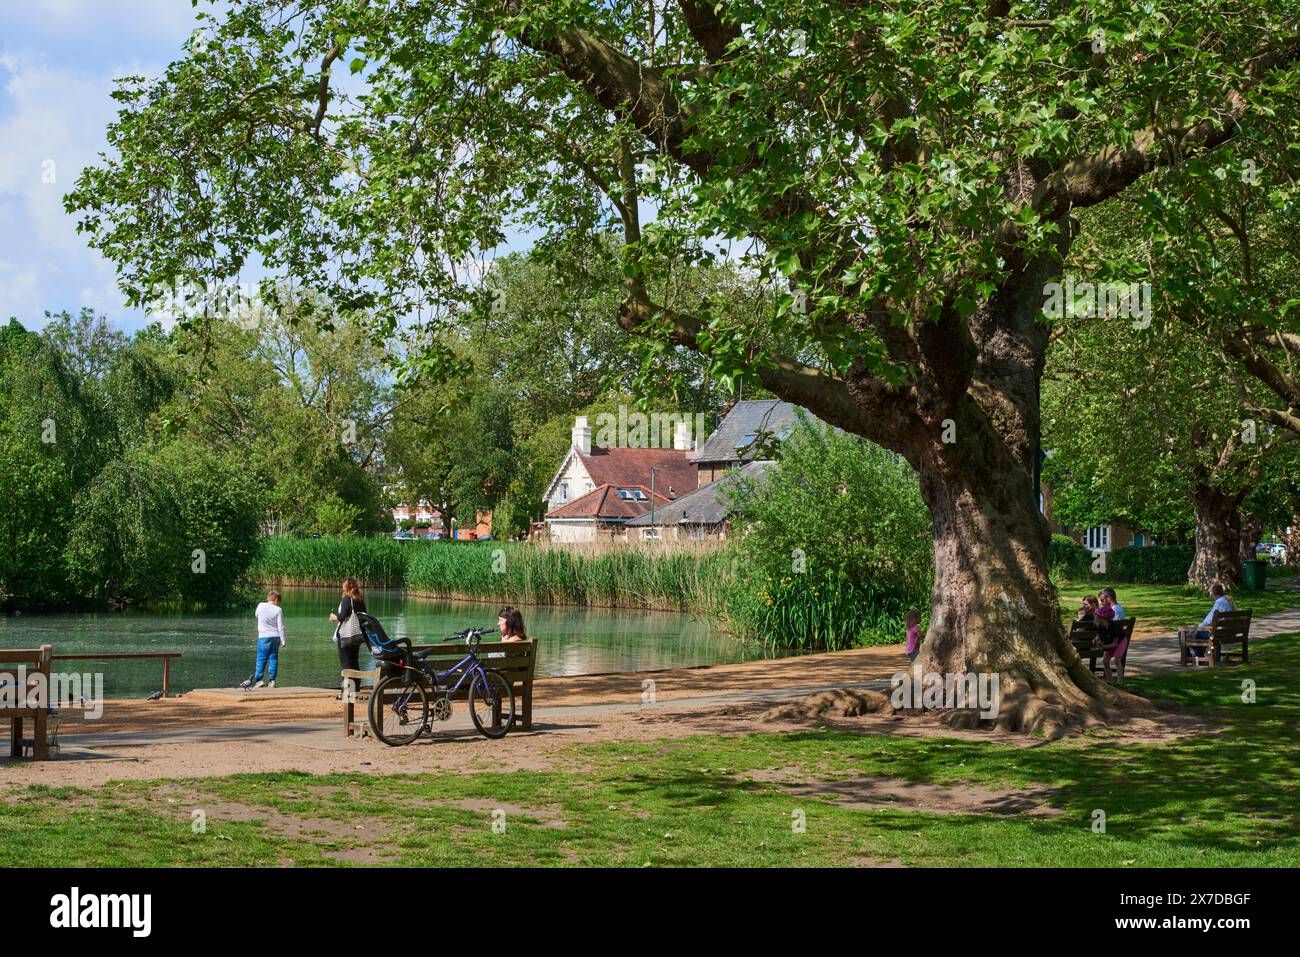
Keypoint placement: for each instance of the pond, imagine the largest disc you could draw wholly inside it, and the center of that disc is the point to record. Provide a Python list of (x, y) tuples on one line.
[(219, 648)]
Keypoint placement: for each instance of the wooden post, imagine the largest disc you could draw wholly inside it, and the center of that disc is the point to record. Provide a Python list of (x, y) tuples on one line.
[(167, 668)]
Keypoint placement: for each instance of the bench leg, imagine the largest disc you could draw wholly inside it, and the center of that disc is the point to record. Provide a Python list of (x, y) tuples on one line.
[(41, 748), (16, 742), (349, 710), (528, 707)]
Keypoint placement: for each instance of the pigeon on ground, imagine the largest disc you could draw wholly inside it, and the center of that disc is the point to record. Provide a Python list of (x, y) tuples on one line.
[(156, 696)]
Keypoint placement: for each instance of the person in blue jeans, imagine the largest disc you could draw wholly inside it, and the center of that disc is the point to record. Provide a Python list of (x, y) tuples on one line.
[(270, 639)]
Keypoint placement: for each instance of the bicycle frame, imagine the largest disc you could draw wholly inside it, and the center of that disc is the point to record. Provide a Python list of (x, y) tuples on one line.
[(437, 678)]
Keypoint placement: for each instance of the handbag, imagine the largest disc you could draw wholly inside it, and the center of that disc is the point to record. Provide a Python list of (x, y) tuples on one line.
[(349, 632)]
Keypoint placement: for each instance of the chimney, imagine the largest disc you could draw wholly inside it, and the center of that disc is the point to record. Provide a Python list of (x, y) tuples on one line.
[(682, 436), (582, 435)]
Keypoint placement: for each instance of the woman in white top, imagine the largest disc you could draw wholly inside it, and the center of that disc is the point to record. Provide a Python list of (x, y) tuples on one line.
[(270, 638)]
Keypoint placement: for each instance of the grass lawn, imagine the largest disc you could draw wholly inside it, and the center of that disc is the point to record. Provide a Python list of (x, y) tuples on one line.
[(1168, 606), (1230, 798)]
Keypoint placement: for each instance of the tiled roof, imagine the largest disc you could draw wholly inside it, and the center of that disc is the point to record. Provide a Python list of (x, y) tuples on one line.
[(706, 505), (628, 467), (734, 439), (606, 504)]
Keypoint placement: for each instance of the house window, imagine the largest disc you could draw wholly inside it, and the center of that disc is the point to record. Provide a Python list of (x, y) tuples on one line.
[(640, 495), (564, 491), (1097, 538), (625, 494), (1139, 540), (649, 534), (697, 532)]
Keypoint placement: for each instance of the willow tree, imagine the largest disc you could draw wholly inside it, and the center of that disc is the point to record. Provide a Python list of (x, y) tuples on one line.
[(907, 172)]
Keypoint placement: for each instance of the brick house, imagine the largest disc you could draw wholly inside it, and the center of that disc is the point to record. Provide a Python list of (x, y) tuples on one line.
[(597, 490)]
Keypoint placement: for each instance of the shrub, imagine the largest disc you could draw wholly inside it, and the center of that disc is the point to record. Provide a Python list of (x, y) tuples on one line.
[(833, 548)]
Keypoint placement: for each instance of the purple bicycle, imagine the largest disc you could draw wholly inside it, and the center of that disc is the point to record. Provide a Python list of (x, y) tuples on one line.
[(405, 704)]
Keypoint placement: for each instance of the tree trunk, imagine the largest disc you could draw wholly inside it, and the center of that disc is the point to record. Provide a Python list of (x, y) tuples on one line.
[(1291, 540), (1218, 539), (994, 609), (1251, 529)]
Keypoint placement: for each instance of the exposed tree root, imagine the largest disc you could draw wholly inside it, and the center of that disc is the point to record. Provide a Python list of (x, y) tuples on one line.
[(1054, 710)]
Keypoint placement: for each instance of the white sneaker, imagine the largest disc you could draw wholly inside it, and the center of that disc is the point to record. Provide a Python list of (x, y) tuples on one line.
[(271, 684), (260, 684)]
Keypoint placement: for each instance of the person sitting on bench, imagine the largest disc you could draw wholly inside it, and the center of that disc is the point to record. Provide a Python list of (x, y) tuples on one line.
[(1114, 642), (1221, 603)]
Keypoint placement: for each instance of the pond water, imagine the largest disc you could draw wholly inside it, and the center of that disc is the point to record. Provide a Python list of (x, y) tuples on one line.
[(219, 648)]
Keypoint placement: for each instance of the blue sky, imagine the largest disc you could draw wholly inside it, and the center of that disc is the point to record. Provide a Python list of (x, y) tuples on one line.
[(58, 59)]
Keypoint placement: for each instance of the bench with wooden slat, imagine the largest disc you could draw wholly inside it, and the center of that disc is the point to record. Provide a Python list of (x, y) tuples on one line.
[(17, 704), (516, 660), (1082, 634), (1226, 628)]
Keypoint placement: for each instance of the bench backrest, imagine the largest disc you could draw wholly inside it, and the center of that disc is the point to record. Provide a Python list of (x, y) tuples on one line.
[(514, 659), (1231, 626), (32, 662), (1081, 630)]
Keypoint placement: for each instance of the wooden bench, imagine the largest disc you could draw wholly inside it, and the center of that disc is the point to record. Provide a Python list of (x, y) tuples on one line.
[(517, 660), (1082, 634), (15, 703), (1226, 628)]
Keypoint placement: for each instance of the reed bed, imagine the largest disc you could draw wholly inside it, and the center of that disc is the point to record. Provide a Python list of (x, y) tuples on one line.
[(377, 562), (678, 577)]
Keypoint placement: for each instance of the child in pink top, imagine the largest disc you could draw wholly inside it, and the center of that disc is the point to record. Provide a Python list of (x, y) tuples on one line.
[(913, 646)]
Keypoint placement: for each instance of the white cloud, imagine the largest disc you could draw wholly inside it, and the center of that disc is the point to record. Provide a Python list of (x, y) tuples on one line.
[(58, 59)]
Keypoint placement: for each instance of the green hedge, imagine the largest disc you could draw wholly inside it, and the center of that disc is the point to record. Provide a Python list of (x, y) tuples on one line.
[(1154, 565)]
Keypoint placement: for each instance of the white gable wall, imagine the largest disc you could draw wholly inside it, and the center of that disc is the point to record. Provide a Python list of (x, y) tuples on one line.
[(570, 482)]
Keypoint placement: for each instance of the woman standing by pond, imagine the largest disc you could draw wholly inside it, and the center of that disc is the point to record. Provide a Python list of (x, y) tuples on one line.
[(347, 634)]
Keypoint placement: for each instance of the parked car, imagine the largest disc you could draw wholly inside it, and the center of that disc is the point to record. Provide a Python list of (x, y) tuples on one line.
[(1271, 552), (433, 536), (404, 535)]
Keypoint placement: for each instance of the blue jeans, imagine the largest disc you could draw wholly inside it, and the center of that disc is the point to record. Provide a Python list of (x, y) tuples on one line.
[(268, 657)]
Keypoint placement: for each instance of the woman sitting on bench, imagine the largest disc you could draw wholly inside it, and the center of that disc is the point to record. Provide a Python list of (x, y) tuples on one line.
[(511, 624)]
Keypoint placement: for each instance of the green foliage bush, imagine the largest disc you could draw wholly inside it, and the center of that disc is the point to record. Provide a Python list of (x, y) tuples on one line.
[(126, 541), (833, 548), (1153, 565), (1157, 565)]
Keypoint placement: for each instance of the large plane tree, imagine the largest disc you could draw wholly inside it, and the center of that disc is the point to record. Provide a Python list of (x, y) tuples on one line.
[(905, 171)]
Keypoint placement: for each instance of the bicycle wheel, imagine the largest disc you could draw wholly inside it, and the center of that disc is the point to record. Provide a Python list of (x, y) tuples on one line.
[(400, 720), (492, 704)]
